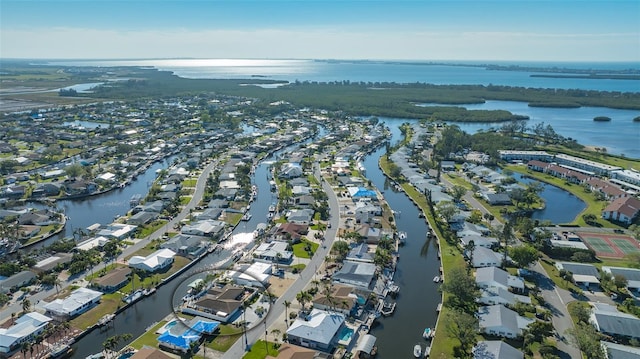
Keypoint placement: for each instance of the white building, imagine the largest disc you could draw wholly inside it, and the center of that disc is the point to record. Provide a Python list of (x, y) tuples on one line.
[(318, 330), (256, 275), (501, 321), (80, 300), (25, 328), (155, 261)]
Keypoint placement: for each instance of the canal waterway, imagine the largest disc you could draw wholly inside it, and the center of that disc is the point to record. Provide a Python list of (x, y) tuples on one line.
[(104, 208), (149, 310), (418, 264)]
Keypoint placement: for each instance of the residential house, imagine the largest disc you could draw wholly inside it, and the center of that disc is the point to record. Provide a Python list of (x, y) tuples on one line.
[(142, 218), (150, 353), (360, 253), (17, 281), (496, 199), (187, 245), (47, 189), (24, 329), (256, 275), (50, 263), (478, 241), (220, 303), (113, 280), (623, 209), (300, 216), (289, 231), (317, 330), (585, 275), (371, 235), (117, 230), (484, 257), (619, 351), (357, 274), (290, 170), (632, 276), (274, 251), (341, 298), (156, 261), (290, 351), (180, 336), (502, 322), (495, 349), (609, 320), (496, 278), (80, 300), (493, 296), (206, 228)]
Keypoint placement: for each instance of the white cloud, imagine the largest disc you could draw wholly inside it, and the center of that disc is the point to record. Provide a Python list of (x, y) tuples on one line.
[(317, 43)]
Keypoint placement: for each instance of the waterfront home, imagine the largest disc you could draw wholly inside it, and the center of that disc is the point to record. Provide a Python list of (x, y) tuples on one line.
[(478, 241), (274, 251), (496, 278), (220, 303), (340, 298), (371, 235), (304, 201), (50, 263), (180, 336), (17, 281), (301, 190), (300, 216), (155, 207), (209, 214), (585, 275), (361, 192), (206, 228), (360, 275), (484, 257), (255, 275), (626, 178), (317, 330), (609, 320), (632, 276), (619, 351), (289, 231), (150, 353), (360, 253), (493, 296), (24, 329), (156, 261), (80, 300), (495, 349), (290, 170), (502, 322), (623, 209), (142, 218), (47, 189), (586, 166), (187, 245), (290, 351), (509, 155), (113, 280), (117, 230), (496, 199)]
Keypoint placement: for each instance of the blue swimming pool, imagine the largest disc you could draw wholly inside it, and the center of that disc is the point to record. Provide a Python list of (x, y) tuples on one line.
[(345, 334)]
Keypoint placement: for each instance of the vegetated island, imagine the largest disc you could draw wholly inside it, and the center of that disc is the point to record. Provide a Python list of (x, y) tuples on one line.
[(602, 119), (382, 99), (590, 76)]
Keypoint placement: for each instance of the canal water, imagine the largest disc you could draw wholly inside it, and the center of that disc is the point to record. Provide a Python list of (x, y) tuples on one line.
[(418, 264), (103, 208), (149, 310)]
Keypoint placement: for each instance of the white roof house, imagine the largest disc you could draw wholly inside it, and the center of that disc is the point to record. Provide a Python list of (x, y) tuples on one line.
[(117, 230), (154, 261), (274, 251), (632, 276), (609, 320), (25, 328), (619, 351), (317, 330), (485, 257), (206, 228), (501, 296), (500, 321), (78, 302), (357, 274), (495, 349), (493, 277), (255, 275)]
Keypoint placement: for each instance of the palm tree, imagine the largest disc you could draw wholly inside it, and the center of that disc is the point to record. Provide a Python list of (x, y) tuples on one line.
[(303, 297), (276, 333), (57, 283), (26, 305), (24, 348), (287, 304)]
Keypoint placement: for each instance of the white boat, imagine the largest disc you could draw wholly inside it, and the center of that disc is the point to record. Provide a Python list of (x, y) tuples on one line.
[(427, 351), (436, 279), (428, 333), (105, 319), (246, 217), (417, 351)]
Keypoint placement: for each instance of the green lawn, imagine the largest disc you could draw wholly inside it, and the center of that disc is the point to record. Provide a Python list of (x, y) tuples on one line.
[(228, 335), (191, 182), (554, 274), (299, 249), (184, 200), (259, 350), (109, 303), (149, 338), (150, 228)]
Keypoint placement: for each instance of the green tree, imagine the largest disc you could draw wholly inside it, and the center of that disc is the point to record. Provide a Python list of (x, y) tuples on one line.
[(447, 210), (457, 192), (524, 255), (465, 328), (588, 339), (462, 289), (341, 248)]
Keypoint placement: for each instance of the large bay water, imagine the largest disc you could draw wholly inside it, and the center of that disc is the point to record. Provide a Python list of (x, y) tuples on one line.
[(381, 71)]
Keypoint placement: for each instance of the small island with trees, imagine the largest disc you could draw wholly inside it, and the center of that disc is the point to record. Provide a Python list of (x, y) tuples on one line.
[(602, 119)]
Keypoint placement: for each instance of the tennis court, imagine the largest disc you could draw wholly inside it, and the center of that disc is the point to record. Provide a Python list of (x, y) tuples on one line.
[(610, 245)]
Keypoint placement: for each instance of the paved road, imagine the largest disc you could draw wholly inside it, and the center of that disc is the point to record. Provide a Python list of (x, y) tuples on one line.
[(557, 300), (16, 307), (257, 332)]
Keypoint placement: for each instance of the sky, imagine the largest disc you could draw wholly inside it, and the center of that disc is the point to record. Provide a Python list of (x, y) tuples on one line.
[(516, 30)]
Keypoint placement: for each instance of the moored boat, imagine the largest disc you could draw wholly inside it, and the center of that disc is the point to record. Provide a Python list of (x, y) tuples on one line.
[(436, 279), (417, 351), (428, 333)]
